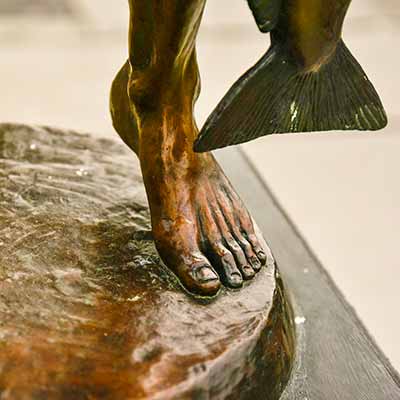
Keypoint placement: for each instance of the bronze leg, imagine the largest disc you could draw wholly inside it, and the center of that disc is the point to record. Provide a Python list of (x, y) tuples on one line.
[(202, 231)]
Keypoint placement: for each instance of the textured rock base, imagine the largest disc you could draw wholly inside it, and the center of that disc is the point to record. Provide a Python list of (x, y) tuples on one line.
[(86, 309)]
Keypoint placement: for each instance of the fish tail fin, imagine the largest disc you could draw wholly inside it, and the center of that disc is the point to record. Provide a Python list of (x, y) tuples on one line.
[(276, 96)]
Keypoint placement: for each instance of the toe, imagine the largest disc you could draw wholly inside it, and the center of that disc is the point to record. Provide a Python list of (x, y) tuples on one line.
[(198, 276), (255, 257), (248, 272), (205, 280), (241, 260), (226, 262), (248, 231), (266, 252), (255, 263), (251, 256), (257, 248)]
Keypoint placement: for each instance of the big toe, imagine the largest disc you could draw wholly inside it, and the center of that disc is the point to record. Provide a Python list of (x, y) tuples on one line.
[(199, 277)]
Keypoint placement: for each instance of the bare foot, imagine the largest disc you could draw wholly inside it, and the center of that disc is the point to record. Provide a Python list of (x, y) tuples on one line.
[(202, 230)]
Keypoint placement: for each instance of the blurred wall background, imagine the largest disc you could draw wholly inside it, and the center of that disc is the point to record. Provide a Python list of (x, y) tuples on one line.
[(342, 191)]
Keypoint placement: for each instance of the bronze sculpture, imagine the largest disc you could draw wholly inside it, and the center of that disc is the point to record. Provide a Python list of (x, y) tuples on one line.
[(307, 81)]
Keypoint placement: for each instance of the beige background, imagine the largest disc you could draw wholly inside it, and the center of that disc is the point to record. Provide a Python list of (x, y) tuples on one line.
[(341, 190)]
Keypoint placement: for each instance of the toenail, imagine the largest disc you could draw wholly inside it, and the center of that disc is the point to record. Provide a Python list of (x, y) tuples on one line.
[(236, 280), (248, 270), (206, 274), (261, 255), (256, 263)]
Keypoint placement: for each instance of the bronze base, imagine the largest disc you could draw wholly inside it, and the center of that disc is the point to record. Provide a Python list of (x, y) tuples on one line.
[(87, 311)]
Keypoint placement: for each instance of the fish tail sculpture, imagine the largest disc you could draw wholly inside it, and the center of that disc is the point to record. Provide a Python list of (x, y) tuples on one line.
[(307, 81)]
